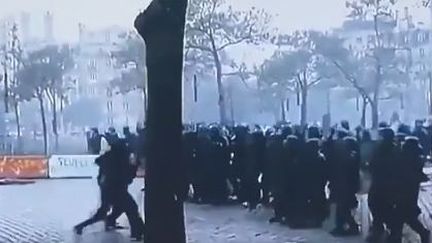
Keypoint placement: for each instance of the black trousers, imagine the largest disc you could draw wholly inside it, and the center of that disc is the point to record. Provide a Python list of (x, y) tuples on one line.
[(107, 197), (380, 210), (124, 203), (403, 217), (344, 215)]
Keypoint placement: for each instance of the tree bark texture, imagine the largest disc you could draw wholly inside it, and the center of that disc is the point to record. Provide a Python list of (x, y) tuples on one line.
[(162, 27)]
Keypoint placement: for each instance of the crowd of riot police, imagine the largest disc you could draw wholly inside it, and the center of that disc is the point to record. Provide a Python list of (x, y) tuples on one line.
[(300, 171)]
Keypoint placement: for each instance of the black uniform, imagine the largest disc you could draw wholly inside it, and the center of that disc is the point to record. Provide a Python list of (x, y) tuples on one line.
[(115, 175), (218, 167), (383, 175), (345, 183), (255, 157), (239, 161), (406, 209), (286, 187), (313, 179)]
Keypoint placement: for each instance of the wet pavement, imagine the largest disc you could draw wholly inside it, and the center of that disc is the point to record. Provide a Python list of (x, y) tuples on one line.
[(47, 210)]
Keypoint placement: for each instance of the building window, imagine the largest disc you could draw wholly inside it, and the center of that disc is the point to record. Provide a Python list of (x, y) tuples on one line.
[(92, 91), (359, 40), (110, 121), (422, 52), (405, 39), (422, 67), (109, 106), (421, 37), (92, 64), (109, 92), (93, 76), (125, 106)]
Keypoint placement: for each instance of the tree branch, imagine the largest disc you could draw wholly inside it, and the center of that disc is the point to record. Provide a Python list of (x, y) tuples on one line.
[(353, 82), (241, 75), (198, 30), (299, 81), (236, 42), (233, 43), (390, 97), (201, 48), (316, 81)]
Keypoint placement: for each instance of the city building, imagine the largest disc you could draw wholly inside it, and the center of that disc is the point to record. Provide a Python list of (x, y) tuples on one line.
[(95, 70), (412, 43)]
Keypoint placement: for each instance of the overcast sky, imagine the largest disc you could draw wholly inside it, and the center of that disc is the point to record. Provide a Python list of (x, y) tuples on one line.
[(291, 14)]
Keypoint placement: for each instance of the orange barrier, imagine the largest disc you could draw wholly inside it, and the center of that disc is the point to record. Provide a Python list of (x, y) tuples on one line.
[(23, 167)]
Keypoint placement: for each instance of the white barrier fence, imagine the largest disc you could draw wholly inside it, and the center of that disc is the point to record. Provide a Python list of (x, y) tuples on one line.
[(72, 166)]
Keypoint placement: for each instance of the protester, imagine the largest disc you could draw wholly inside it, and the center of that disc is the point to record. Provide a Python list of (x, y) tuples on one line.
[(405, 205), (114, 176)]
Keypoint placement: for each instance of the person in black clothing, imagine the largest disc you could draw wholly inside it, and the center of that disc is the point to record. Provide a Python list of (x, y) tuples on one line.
[(104, 179), (402, 132), (422, 134), (115, 175), (312, 198), (265, 161), (111, 136), (382, 188), (218, 167), (344, 186), (239, 161), (429, 134), (189, 158), (276, 173), (141, 146), (201, 169), (410, 175), (286, 192), (129, 173), (255, 157), (131, 140), (94, 141), (334, 149), (314, 132)]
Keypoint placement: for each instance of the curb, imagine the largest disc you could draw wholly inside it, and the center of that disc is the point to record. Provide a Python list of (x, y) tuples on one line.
[(6, 182)]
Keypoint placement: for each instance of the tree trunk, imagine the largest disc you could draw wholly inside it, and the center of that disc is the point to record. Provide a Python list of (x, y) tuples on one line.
[(375, 114), (221, 91), (363, 114), (162, 27), (54, 120), (6, 90), (18, 124), (430, 94), (44, 125), (232, 109), (282, 109), (304, 100)]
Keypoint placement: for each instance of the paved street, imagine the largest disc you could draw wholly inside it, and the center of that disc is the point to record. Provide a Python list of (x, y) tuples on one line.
[(47, 210)]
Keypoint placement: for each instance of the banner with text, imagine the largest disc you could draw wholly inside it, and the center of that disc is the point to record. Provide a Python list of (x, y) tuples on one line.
[(72, 166), (23, 167)]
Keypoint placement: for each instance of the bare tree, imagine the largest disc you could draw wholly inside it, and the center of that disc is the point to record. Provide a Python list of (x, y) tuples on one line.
[(212, 27)]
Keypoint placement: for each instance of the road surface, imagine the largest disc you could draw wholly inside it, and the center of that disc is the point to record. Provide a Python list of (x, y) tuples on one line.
[(47, 210)]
